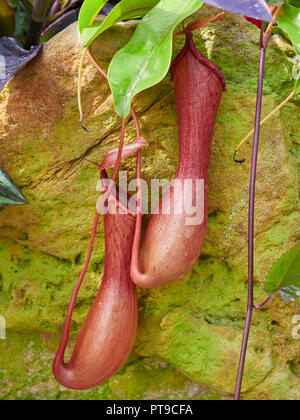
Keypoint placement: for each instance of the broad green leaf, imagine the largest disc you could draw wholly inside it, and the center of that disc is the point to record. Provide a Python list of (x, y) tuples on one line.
[(7, 19), (88, 12), (13, 3), (285, 276), (125, 10), (295, 3), (9, 192), (289, 20), (274, 2), (145, 60)]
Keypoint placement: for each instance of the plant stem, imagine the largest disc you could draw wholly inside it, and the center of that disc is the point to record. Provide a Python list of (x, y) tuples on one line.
[(262, 305), (250, 306), (79, 91), (39, 14), (268, 31), (66, 330)]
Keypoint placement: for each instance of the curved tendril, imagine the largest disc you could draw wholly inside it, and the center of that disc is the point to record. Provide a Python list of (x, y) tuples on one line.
[(79, 91), (95, 64), (137, 237), (66, 331), (236, 159), (291, 95), (262, 305), (122, 136)]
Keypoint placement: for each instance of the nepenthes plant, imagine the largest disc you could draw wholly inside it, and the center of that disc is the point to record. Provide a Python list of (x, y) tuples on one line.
[(170, 246), (107, 336), (198, 86)]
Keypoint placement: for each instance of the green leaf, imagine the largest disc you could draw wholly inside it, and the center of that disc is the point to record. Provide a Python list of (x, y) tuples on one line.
[(285, 276), (295, 3), (289, 20), (7, 19), (274, 2), (9, 192), (145, 60), (88, 12), (125, 10), (13, 3)]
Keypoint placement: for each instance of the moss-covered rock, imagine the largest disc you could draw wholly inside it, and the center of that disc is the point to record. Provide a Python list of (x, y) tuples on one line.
[(190, 331)]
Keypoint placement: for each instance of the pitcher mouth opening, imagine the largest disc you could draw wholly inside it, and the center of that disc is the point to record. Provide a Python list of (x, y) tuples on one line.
[(190, 46)]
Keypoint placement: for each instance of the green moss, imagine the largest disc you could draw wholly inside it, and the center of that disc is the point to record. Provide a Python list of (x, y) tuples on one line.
[(190, 331), (36, 288), (25, 370), (151, 379)]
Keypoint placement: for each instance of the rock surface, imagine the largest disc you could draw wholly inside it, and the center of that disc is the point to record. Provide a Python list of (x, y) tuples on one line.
[(190, 331)]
